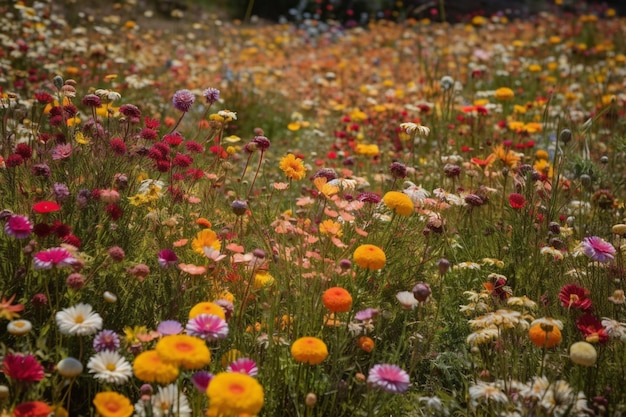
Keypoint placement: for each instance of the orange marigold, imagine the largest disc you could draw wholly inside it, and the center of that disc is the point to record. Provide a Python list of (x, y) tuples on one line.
[(337, 300), (544, 335), (309, 350), (366, 343)]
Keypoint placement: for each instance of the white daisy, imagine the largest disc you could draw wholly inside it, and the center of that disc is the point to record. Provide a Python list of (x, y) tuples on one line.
[(167, 402), (484, 392), (78, 320), (111, 367)]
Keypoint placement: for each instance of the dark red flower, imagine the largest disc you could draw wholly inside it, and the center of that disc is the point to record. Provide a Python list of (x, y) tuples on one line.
[(193, 147), (163, 165), (32, 409), (14, 160), (117, 146), (43, 97), (24, 150), (148, 134), (131, 111), (182, 161), (72, 240), (573, 296), (591, 328), (61, 229), (173, 139), (42, 229), (23, 368), (114, 211), (517, 201)]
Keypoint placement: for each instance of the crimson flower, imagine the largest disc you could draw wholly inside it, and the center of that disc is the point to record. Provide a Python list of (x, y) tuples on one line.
[(573, 296), (44, 207), (591, 328), (517, 201), (23, 368)]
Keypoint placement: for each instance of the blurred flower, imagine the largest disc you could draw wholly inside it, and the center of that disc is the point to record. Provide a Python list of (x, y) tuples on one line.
[(208, 327), (33, 409), (148, 367), (591, 328), (19, 327), (370, 257), (544, 335), (110, 367), (407, 300), (583, 353), (168, 327), (337, 300), (53, 257), (22, 367), (309, 350), (598, 249), (18, 226), (8, 311), (367, 314), (517, 201), (78, 320), (44, 207), (205, 238), (211, 95), (293, 167), (398, 202), (69, 367), (112, 404), (184, 350), (183, 100), (504, 94), (488, 393), (201, 380), (366, 344), (168, 401), (390, 378), (167, 257), (232, 393), (245, 366)]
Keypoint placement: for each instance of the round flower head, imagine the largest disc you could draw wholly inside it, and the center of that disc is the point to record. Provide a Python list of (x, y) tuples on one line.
[(211, 95), (370, 257), (32, 409), (201, 380), (544, 335), (148, 367), (69, 367), (337, 300), (78, 320), (183, 100), (232, 393), (208, 327), (245, 366), (399, 203), (598, 249), (504, 94), (293, 167), (207, 307), (22, 368), (390, 378), (19, 327), (309, 350), (112, 404), (44, 207), (168, 327), (583, 353), (18, 227), (183, 350), (110, 367)]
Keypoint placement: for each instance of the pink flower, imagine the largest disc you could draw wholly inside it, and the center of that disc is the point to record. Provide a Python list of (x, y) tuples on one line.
[(598, 249), (573, 296), (517, 201), (18, 226), (183, 100), (24, 368), (201, 380), (245, 366), (62, 151), (207, 327), (390, 378), (54, 257), (167, 257)]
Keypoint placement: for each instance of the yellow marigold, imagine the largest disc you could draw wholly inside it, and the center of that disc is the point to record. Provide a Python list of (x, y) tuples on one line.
[(207, 307), (309, 350), (234, 393), (112, 404), (399, 203), (183, 350), (337, 300), (293, 167), (148, 367), (205, 238), (504, 93), (370, 257), (544, 335)]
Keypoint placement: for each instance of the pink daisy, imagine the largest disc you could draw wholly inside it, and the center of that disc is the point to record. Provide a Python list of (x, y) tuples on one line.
[(599, 249), (390, 378), (245, 366), (208, 327), (18, 226), (53, 257)]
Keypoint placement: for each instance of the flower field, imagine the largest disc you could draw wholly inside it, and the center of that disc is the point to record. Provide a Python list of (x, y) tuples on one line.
[(405, 218)]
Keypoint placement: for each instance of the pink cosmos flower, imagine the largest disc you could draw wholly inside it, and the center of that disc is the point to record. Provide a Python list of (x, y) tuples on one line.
[(18, 226), (390, 378), (208, 327), (53, 257), (367, 314), (169, 327), (245, 366), (599, 249)]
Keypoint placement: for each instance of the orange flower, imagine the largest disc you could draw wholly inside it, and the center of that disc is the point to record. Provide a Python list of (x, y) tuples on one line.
[(366, 343), (337, 300), (309, 350), (32, 409), (8, 311), (203, 222), (544, 335), (506, 156)]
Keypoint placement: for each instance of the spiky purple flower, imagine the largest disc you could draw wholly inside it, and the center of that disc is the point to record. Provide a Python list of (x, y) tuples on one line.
[(106, 340), (183, 100)]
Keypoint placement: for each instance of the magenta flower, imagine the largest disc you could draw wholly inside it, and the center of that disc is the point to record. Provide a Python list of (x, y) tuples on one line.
[(599, 249), (18, 226), (390, 378), (208, 327), (106, 340), (53, 257), (245, 366), (23, 368), (183, 100), (167, 257), (201, 380), (169, 327)]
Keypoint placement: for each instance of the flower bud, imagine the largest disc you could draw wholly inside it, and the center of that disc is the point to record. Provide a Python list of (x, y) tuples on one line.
[(421, 291), (69, 367)]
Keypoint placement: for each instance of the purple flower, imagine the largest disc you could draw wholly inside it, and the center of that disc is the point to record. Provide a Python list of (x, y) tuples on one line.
[(167, 257), (367, 314), (211, 95), (201, 380), (598, 249), (91, 100), (208, 327), (61, 192), (245, 366), (18, 226), (106, 340), (368, 197), (168, 327), (183, 100), (261, 142), (53, 257), (390, 378), (131, 111), (62, 151)]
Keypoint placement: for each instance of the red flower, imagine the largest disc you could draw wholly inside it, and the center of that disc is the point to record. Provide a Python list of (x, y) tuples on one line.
[(32, 409), (591, 328), (517, 201), (573, 296), (23, 368), (44, 207), (114, 211)]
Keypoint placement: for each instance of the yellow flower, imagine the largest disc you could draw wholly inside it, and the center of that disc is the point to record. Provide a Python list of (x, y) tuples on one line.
[(132, 333), (534, 68), (330, 227), (504, 93), (81, 139), (206, 307), (148, 367), (293, 167), (321, 183), (183, 350), (234, 393), (366, 150), (309, 350), (506, 156), (205, 238), (263, 279), (370, 257), (294, 126), (112, 404), (399, 203)]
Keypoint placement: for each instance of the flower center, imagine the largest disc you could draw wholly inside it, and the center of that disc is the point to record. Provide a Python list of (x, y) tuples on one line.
[(184, 347), (79, 319), (110, 367), (112, 406), (236, 389)]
